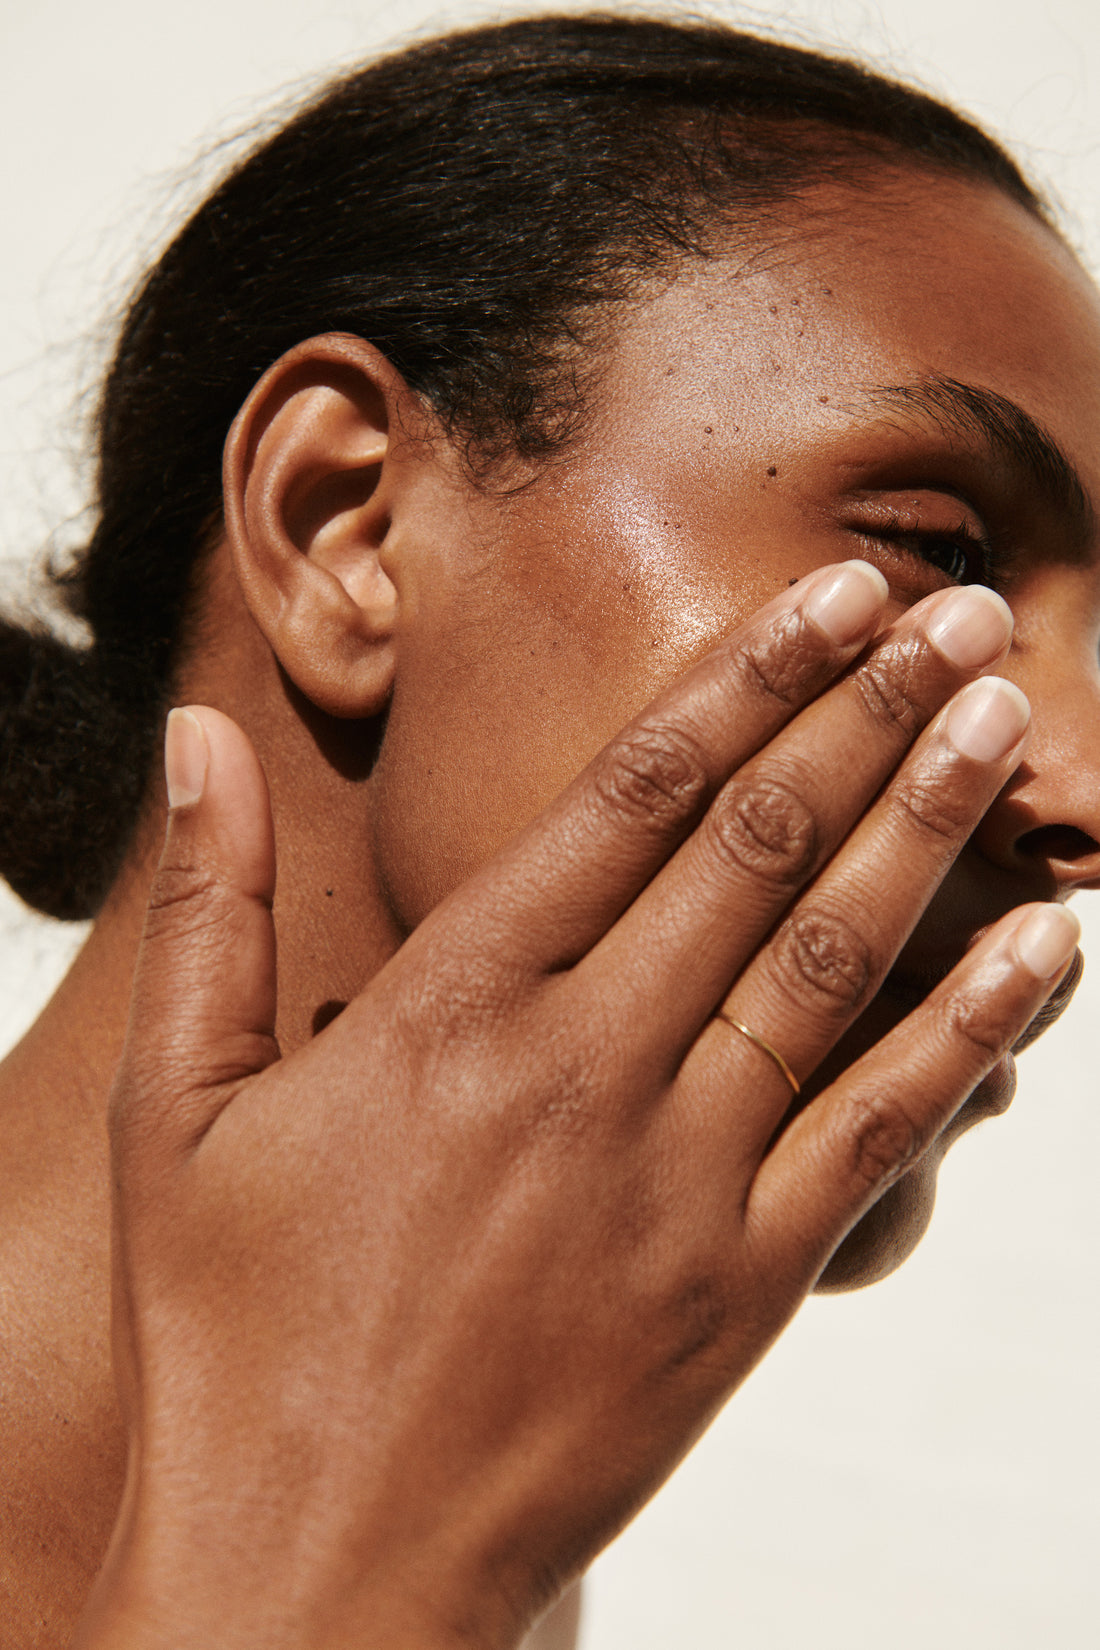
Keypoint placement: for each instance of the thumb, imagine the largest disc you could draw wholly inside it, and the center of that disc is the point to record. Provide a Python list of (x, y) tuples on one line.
[(202, 1012)]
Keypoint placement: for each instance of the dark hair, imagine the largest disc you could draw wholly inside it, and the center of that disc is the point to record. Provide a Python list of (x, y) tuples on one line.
[(472, 206)]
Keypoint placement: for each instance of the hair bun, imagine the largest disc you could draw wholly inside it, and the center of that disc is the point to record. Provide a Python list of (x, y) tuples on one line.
[(64, 822)]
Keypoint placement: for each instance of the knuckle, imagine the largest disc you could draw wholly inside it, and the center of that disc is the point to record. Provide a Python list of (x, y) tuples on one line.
[(821, 956), (459, 1007), (186, 902), (925, 804), (981, 1024), (653, 772), (174, 884), (774, 666), (883, 1139), (887, 690), (765, 827)]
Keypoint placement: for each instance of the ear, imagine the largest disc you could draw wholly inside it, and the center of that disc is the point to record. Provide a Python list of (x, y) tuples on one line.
[(313, 473)]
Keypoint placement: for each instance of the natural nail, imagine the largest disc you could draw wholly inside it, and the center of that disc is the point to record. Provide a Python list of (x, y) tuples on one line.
[(988, 719), (845, 605), (1047, 939), (186, 754), (971, 627)]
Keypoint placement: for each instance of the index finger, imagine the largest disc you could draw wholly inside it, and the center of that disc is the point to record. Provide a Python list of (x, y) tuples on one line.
[(588, 855)]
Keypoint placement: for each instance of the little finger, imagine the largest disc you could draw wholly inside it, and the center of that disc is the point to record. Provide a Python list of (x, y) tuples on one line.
[(845, 1150)]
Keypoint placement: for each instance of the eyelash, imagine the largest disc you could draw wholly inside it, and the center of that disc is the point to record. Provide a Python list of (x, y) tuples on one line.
[(973, 559)]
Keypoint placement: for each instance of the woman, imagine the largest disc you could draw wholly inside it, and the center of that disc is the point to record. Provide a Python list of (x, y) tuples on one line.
[(561, 364)]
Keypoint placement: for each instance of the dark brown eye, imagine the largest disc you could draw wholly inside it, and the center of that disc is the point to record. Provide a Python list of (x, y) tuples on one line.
[(933, 531), (949, 555), (959, 556)]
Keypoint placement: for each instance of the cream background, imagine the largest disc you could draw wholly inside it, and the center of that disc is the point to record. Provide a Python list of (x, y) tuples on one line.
[(915, 1465)]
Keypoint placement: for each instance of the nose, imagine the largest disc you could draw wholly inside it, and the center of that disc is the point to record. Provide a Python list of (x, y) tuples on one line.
[(1045, 825)]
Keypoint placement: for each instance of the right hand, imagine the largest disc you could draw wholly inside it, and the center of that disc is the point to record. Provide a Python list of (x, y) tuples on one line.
[(410, 1323)]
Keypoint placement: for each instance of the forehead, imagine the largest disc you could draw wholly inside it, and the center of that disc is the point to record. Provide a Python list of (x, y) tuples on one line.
[(914, 275)]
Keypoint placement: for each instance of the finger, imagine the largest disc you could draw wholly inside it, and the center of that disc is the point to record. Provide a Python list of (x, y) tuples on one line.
[(781, 817), (202, 1014), (839, 1156), (830, 956), (559, 886)]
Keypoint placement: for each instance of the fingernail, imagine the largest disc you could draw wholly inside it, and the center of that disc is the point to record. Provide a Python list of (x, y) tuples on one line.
[(971, 627), (1047, 939), (988, 719), (845, 605), (185, 757)]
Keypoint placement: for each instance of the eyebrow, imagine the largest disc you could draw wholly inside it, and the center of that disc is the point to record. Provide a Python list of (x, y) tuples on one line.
[(967, 411)]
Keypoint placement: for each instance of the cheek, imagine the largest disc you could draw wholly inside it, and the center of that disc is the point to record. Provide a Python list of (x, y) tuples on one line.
[(506, 690), (525, 657), (481, 738)]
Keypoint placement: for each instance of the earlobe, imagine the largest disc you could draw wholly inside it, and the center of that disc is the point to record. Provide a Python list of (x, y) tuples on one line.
[(311, 481)]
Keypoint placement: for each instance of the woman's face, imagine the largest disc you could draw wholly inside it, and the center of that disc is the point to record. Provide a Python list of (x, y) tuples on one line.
[(908, 373)]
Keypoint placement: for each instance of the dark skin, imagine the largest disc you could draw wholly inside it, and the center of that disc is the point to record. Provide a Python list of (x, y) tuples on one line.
[(733, 446)]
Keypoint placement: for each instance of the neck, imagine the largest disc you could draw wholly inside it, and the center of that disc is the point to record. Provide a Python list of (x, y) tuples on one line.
[(62, 1444), (333, 926), (64, 1065)]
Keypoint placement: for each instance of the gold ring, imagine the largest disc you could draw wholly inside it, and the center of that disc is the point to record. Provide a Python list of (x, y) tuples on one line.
[(772, 1053)]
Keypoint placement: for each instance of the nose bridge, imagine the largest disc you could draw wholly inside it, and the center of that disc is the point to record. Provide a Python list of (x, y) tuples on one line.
[(1047, 820)]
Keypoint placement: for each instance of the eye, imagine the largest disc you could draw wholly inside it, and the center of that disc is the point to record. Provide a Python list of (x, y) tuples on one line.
[(960, 555), (934, 529)]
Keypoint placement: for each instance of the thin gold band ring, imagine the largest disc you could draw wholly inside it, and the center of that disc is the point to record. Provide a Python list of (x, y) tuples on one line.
[(766, 1048)]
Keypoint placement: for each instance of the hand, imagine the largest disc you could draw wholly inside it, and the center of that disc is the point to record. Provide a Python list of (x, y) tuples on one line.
[(410, 1323)]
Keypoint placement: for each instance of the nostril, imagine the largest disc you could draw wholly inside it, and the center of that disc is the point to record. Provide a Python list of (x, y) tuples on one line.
[(1063, 843)]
